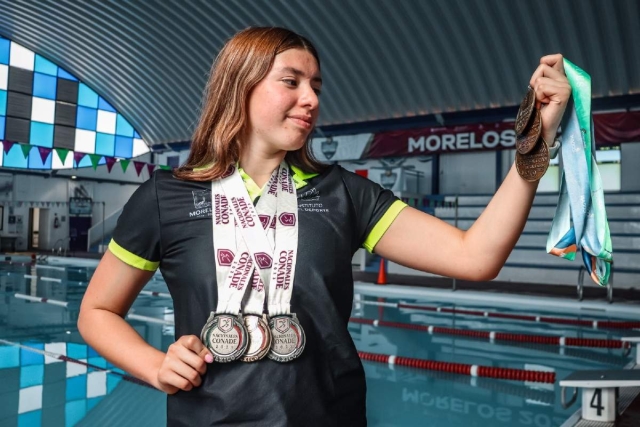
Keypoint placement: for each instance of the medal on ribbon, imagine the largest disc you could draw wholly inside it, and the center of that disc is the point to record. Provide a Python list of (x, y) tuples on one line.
[(269, 232)]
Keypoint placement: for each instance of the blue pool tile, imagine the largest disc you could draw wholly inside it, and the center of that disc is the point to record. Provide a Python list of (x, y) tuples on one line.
[(30, 419), (77, 351), (28, 357), (91, 403), (31, 375), (74, 412), (92, 352), (76, 387), (98, 361), (9, 357), (112, 382)]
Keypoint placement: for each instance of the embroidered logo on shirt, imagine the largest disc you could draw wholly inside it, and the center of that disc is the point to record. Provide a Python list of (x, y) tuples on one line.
[(201, 199), (202, 203), (312, 195)]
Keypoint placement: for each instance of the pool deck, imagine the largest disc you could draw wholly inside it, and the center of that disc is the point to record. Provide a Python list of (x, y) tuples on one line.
[(591, 293)]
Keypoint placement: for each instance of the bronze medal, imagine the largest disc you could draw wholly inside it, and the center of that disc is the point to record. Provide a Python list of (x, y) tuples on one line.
[(259, 337), (225, 336), (533, 165), (288, 338), (526, 110), (527, 141)]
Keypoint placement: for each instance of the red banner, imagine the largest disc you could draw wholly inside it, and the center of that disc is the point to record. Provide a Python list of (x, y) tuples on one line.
[(610, 129), (616, 128), (451, 139)]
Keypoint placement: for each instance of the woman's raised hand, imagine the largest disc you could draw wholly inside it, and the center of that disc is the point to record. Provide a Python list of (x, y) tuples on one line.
[(183, 366), (552, 93)]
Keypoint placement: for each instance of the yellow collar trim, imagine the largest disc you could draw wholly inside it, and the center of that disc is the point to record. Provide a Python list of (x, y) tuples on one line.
[(300, 178)]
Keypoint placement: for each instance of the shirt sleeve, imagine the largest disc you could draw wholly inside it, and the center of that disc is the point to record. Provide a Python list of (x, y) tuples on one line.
[(136, 238), (376, 208)]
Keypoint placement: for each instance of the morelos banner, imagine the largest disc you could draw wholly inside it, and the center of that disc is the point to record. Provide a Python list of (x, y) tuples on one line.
[(610, 129), (449, 139)]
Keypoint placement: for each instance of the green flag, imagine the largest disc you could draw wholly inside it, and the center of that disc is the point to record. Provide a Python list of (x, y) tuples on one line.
[(95, 159), (26, 148), (62, 154), (124, 164)]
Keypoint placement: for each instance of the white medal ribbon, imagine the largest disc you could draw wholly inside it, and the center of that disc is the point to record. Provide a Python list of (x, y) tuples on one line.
[(286, 249), (275, 267), (266, 210), (233, 263)]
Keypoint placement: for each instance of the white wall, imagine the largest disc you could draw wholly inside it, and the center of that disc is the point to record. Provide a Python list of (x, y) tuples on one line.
[(413, 173), (468, 173), (34, 188), (629, 161)]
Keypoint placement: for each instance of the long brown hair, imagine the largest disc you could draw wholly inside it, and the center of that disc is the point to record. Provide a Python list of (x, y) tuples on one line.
[(241, 64)]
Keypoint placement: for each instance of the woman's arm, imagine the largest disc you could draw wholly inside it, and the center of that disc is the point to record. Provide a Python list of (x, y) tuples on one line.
[(111, 292), (423, 242)]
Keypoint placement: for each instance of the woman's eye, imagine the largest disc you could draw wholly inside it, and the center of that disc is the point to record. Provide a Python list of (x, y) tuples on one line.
[(290, 82)]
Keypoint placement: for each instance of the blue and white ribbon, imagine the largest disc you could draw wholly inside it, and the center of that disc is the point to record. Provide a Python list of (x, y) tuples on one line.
[(580, 221)]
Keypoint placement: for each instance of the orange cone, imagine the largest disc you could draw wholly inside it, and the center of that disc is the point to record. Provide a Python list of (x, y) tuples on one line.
[(382, 274)]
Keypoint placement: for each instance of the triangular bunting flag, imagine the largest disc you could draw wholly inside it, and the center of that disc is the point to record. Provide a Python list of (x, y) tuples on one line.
[(78, 157), (44, 153), (110, 162), (7, 145), (95, 159), (165, 167), (124, 164), (150, 168), (138, 166), (62, 154), (26, 148)]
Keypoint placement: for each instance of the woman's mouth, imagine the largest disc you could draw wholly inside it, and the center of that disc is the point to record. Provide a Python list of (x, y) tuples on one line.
[(301, 121)]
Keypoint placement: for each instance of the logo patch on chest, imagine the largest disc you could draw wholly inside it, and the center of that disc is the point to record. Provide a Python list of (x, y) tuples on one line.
[(201, 203)]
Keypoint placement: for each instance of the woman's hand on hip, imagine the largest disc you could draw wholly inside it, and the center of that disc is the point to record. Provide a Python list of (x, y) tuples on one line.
[(183, 366)]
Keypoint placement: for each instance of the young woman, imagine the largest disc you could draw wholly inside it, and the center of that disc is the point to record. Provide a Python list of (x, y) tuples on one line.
[(261, 104)]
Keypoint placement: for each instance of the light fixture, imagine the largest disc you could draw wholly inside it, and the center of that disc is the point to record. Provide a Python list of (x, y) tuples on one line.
[(73, 177)]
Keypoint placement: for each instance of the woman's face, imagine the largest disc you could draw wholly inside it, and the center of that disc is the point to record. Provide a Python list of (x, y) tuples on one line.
[(284, 106)]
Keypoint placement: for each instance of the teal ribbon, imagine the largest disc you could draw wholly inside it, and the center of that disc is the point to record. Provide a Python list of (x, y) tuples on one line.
[(580, 221)]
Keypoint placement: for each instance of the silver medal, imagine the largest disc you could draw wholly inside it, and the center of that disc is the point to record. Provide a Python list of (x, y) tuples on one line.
[(259, 337), (288, 338), (225, 335)]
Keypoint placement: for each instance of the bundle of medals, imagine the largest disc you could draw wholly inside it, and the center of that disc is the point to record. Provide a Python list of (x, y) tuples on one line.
[(532, 153), (253, 266)]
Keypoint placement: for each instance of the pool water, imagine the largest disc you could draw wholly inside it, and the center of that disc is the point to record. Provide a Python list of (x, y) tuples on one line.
[(41, 390)]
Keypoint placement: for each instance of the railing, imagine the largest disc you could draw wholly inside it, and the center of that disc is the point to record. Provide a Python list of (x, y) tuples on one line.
[(62, 249), (580, 289), (97, 233)]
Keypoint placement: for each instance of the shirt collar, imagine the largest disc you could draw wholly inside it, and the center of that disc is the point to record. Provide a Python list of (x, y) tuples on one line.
[(300, 179)]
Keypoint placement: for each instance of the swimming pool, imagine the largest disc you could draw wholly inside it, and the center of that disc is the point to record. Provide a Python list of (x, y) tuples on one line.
[(38, 388)]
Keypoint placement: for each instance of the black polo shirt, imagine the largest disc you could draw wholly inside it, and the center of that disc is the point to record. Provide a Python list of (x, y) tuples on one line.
[(167, 223)]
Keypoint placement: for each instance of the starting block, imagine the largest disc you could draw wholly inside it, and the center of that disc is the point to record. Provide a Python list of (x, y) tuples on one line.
[(635, 340), (600, 391)]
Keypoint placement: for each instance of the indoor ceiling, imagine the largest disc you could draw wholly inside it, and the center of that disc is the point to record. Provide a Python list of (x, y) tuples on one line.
[(381, 59)]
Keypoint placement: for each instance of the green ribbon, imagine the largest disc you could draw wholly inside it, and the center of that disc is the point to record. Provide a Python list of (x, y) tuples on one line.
[(580, 221)]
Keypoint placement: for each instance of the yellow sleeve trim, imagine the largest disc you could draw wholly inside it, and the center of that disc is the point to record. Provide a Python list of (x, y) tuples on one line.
[(383, 225), (132, 259)]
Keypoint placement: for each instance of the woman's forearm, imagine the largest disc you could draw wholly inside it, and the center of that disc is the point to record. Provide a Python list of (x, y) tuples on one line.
[(112, 337), (492, 237)]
